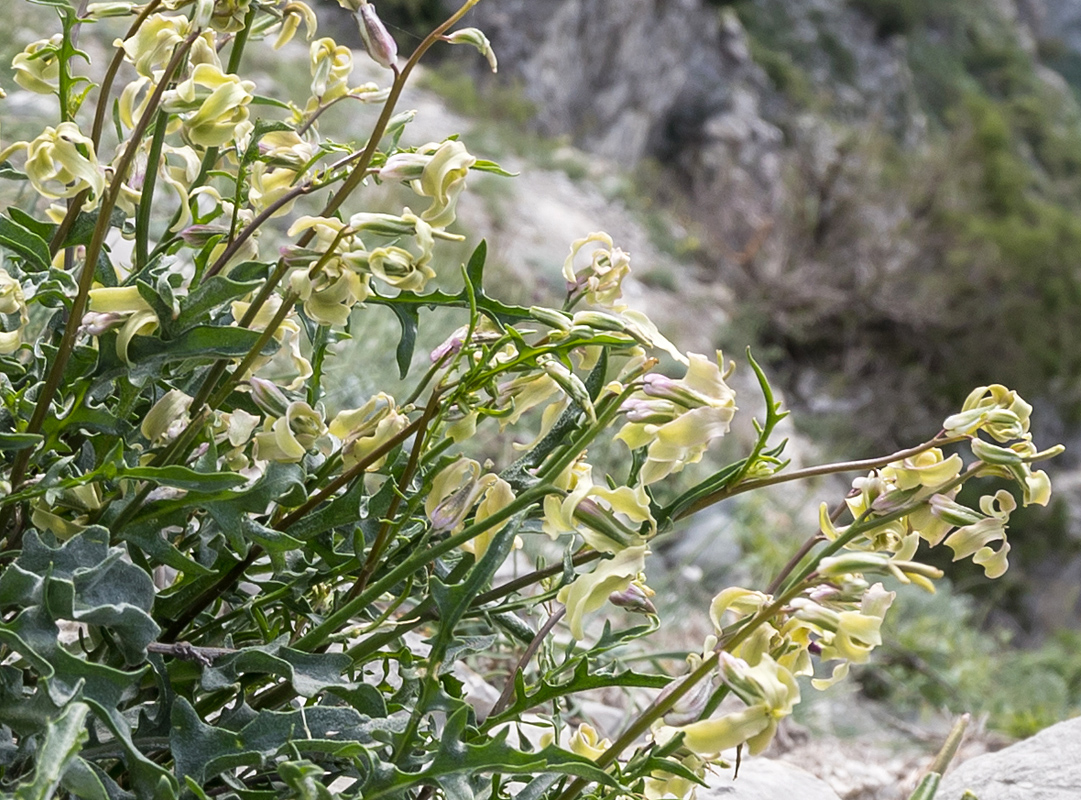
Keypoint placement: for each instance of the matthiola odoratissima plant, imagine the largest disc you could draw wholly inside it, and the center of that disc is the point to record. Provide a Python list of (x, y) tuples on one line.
[(212, 584)]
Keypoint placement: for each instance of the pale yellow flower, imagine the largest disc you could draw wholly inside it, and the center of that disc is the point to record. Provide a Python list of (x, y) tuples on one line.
[(151, 46), (211, 104), (590, 591), (61, 162), (288, 439), (293, 13), (601, 281), (363, 430), (677, 420), (37, 67), (167, 417), (331, 64), (995, 409), (126, 301)]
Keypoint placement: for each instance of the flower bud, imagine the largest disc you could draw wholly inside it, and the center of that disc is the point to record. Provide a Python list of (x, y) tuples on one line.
[(550, 317), (379, 43), (476, 38), (993, 454), (572, 385), (95, 323), (598, 518), (404, 167), (268, 397), (634, 598), (166, 417), (111, 9), (201, 235), (598, 320), (953, 512)]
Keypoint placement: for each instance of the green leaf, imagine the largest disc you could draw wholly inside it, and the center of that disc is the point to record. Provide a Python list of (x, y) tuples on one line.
[(490, 166), (83, 228), (474, 270), (200, 344), (64, 738), (927, 788), (82, 781), (27, 244), (185, 478), (409, 317), (581, 680), (214, 293), (343, 510), (457, 758), (9, 172), (202, 751), (20, 441), (42, 229)]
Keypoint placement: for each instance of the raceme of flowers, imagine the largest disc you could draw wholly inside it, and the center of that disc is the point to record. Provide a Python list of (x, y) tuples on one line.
[(551, 380)]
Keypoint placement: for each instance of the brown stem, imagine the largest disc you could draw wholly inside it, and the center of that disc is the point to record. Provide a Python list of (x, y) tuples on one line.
[(381, 539), (814, 472), (527, 656)]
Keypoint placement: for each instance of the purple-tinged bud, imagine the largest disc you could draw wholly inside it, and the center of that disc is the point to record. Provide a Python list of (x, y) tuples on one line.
[(662, 386), (268, 397), (378, 41), (451, 346), (95, 323), (294, 257), (598, 518), (814, 648), (654, 412), (634, 598), (201, 235)]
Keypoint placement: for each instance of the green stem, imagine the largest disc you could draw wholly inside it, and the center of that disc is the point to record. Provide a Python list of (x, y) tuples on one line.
[(146, 197), (419, 559), (814, 472)]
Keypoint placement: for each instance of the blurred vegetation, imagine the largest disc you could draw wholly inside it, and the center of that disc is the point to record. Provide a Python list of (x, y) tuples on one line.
[(937, 655)]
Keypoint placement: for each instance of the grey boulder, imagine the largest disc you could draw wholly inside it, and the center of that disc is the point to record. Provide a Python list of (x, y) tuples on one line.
[(762, 779), (1044, 767)]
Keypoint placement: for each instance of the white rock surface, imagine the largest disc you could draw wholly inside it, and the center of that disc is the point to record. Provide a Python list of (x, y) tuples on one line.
[(763, 779), (1044, 767)]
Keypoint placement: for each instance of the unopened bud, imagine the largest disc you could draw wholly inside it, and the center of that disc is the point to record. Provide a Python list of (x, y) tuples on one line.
[(398, 122), (476, 38), (993, 454), (953, 512), (95, 324), (404, 167), (634, 598), (378, 41), (201, 235), (103, 10), (572, 385), (600, 321), (268, 397), (604, 522), (551, 317)]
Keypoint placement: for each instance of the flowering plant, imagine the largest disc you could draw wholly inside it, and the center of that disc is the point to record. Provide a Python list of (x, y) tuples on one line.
[(213, 585)]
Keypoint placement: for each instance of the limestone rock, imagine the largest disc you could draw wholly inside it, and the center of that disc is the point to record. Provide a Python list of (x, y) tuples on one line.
[(763, 779), (1044, 767)]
